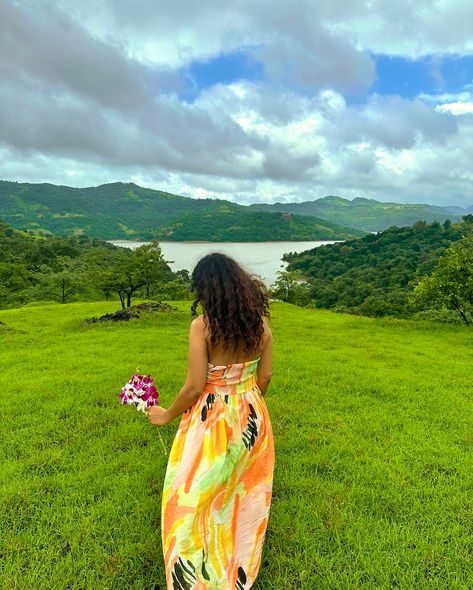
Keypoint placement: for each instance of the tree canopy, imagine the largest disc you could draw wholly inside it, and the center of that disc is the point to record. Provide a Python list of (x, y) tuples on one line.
[(450, 285), (372, 275), (65, 269)]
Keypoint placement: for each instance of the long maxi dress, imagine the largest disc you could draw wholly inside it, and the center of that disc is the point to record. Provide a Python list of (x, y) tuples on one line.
[(218, 485)]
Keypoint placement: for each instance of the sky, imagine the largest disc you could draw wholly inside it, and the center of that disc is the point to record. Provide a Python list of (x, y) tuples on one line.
[(249, 101)]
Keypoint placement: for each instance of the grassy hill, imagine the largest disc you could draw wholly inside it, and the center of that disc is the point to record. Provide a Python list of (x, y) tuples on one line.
[(127, 211), (365, 214), (374, 451)]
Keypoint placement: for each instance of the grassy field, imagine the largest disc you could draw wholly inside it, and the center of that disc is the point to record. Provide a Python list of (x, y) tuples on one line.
[(373, 426)]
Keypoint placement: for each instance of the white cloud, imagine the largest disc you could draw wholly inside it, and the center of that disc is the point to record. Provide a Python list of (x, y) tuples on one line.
[(456, 108), (81, 99), (176, 33)]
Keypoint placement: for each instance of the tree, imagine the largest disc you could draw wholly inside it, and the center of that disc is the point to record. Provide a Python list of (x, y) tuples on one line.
[(287, 288), (468, 218), (375, 306), (178, 287), (150, 264), (98, 264), (61, 286), (128, 271), (450, 285), (14, 280)]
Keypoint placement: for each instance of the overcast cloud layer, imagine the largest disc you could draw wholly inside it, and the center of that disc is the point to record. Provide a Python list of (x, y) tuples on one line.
[(103, 91)]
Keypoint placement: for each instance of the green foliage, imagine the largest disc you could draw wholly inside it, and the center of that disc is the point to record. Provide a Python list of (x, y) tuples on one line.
[(372, 428), (62, 284), (13, 283), (372, 275), (450, 285), (443, 315), (175, 289), (364, 214), (127, 211), (288, 288), (237, 224), (65, 269), (141, 269)]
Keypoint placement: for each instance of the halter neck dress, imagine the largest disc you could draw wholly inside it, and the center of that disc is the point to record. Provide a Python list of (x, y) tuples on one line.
[(218, 485)]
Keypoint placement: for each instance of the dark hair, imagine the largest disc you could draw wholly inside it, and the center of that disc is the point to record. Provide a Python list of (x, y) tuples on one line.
[(232, 299)]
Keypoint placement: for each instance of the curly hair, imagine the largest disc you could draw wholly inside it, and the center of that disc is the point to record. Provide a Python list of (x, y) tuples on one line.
[(233, 301)]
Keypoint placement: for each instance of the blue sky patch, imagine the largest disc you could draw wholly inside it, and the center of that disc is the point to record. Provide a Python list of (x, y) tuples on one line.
[(394, 75), (223, 69), (408, 78)]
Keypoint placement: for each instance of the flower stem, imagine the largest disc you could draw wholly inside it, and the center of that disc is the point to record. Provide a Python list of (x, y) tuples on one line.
[(166, 452)]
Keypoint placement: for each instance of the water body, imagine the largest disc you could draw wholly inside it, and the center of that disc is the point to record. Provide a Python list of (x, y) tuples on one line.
[(261, 258)]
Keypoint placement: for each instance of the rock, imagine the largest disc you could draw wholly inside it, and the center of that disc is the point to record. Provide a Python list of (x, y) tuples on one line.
[(134, 311)]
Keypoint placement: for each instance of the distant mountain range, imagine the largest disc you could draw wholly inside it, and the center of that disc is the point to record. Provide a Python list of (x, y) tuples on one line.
[(460, 210), (128, 211), (367, 214)]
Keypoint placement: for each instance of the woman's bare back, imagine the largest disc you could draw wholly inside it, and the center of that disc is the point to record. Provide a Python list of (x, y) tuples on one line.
[(218, 356)]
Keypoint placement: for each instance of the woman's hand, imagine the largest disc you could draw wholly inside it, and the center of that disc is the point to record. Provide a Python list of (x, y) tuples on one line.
[(157, 415)]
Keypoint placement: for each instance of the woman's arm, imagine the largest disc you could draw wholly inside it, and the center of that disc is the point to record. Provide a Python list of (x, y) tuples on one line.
[(265, 364), (195, 380)]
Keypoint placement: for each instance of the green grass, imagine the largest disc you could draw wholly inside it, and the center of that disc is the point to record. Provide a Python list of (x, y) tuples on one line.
[(372, 420)]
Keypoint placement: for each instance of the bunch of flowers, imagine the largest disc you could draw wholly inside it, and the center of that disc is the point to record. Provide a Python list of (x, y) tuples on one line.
[(140, 391)]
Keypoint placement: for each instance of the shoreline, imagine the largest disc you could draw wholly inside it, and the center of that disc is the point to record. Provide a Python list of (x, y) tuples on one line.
[(222, 242)]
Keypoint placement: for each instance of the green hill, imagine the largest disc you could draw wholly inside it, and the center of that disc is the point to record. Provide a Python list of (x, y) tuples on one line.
[(372, 428), (260, 226), (18, 246), (127, 211), (70, 268), (371, 274), (365, 214)]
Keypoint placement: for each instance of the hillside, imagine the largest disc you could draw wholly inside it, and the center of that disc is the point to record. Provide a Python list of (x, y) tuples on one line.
[(17, 246), (366, 214), (236, 226), (371, 274), (372, 428), (67, 268), (127, 211), (40, 253)]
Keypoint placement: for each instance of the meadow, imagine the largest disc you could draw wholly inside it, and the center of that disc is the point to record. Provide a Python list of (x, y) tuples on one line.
[(373, 427)]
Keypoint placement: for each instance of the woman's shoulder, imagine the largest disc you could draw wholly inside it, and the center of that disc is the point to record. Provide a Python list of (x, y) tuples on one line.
[(266, 326), (198, 322)]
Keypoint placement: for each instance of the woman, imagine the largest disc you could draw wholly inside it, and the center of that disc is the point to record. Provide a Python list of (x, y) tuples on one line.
[(218, 484)]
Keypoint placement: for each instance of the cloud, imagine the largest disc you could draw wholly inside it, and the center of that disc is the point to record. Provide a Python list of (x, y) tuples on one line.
[(52, 48), (397, 123), (456, 108), (406, 28), (176, 33), (293, 44), (92, 92)]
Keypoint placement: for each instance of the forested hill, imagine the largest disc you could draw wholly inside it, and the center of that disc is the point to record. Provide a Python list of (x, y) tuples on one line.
[(127, 211), (366, 214), (371, 275), (67, 268), (19, 247)]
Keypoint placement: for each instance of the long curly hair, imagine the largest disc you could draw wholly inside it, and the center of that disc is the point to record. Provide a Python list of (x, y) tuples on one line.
[(233, 302)]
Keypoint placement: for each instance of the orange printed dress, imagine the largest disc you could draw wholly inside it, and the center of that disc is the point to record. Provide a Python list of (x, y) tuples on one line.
[(218, 485)]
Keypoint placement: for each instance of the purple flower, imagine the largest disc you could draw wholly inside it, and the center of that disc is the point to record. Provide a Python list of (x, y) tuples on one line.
[(140, 391)]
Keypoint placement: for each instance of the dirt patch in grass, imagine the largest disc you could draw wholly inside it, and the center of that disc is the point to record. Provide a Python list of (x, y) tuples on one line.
[(132, 312)]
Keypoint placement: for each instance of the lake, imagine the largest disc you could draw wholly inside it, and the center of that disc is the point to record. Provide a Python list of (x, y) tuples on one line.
[(262, 258)]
